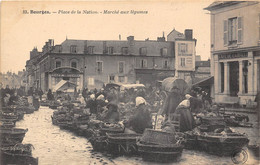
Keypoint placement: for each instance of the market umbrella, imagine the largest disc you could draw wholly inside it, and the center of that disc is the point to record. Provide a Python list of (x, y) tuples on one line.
[(174, 84)]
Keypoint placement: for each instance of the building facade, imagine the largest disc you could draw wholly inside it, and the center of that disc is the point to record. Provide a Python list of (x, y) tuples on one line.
[(92, 63), (235, 50)]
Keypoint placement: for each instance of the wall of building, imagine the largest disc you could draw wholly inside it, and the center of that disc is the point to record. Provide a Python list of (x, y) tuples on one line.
[(188, 55), (249, 11)]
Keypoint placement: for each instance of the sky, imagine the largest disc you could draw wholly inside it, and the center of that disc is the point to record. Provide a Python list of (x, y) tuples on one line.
[(20, 33)]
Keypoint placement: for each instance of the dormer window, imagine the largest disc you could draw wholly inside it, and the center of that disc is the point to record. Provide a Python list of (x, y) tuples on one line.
[(90, 49), (164, 52), (73, 49), (143, 51), (124, 50), (110, 50)]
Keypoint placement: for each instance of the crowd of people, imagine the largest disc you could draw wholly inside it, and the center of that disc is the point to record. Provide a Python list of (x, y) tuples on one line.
[(104, 104)]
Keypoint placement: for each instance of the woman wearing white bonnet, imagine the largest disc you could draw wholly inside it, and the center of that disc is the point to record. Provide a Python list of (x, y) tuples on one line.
[(101, 97), (139, 101), (187, 122), (92, 96), (141, 118), (187, 96)]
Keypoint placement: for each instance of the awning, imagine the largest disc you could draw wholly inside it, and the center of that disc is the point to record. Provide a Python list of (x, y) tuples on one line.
[(64, 85), (205, 82)]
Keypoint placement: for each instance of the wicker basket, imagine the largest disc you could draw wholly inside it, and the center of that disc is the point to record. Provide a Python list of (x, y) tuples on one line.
[(160, 153), (158, 137), (122, 144), (218, 144)]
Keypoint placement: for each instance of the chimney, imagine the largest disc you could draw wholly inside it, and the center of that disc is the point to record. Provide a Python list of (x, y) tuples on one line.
[(130, 38), (161, 39), (188, 34)]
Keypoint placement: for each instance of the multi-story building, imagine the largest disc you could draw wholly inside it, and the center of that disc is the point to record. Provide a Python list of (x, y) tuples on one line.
[(93, 63), (13, 80), (235, 50)]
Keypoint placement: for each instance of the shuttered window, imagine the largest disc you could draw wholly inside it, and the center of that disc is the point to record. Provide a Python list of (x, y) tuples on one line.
[(225, 37), (239, 30)]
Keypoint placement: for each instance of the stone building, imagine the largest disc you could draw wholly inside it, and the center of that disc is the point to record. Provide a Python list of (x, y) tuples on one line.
[(235, 50), (93, 63)]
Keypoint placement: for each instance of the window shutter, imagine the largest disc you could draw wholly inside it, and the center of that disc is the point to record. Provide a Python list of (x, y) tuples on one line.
[(225, 37), (239, 30)]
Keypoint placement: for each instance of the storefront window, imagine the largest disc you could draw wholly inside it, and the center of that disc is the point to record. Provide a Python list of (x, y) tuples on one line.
[(74, 64)]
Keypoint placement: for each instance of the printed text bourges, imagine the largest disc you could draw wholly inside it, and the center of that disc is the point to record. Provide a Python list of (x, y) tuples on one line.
[(133, 12)]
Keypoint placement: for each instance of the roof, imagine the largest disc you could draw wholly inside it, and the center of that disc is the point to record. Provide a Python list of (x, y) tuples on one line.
[(153, 47), (221, 4), (202, 63), (204, 81)]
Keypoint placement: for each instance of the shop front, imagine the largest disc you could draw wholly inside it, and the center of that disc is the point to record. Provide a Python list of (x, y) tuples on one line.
[(71, 75), (236, 77)]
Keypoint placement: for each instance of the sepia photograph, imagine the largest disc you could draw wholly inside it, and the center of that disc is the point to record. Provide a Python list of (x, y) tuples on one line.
[(129, 82)]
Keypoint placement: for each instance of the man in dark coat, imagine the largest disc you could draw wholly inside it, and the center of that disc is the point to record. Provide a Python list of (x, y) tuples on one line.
[(50, 95), (92, 104)]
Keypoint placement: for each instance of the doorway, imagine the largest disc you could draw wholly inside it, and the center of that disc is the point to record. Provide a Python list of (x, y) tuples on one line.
[(234, 78)]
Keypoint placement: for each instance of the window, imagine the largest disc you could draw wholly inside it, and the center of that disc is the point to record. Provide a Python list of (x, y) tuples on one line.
[(165, 64), (121, 65), (143, 51), (233, 31), (121, 78), (125, 50), (74, 64), (164, 52), (182, 47), (73, 49), (58, 64), (99, 67), (112, 78), (110, 50), (183, 62), (90, 49), (143, 63)]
